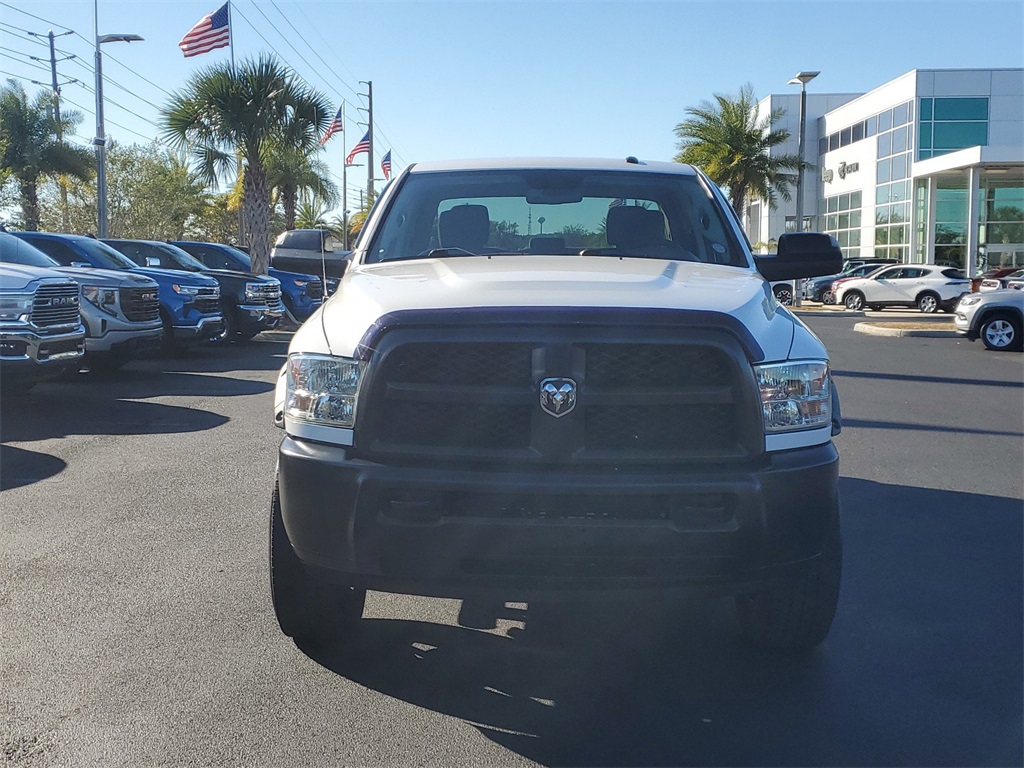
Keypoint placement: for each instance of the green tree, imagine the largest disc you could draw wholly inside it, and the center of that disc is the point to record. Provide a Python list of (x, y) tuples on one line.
[(292, 172), (224, 113), (152, 193), (32, 147), (731, 142)]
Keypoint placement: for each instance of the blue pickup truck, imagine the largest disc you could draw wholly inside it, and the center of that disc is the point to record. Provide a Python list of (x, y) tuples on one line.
[(189, 303), (302, 294)]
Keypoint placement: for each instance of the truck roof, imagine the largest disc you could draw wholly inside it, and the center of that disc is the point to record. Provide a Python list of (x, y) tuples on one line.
[(553, 163)]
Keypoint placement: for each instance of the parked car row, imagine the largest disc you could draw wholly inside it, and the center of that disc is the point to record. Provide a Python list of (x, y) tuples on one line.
[(68, 301)]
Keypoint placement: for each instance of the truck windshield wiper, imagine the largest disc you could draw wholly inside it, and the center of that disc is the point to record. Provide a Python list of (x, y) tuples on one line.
[(446, 253)]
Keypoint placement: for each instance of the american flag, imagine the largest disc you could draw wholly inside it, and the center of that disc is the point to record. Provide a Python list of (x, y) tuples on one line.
[(209, 33), (362, 146), (385, 165), (336, 125)]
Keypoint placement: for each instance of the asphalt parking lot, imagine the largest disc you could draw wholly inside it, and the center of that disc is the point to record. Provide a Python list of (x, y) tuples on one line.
[(136, 628)]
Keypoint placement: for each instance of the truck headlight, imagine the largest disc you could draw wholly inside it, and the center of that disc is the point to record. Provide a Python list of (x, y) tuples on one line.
[(795, 396), (253, 291), (321, 389), (16, 306), (186, 290), (104, 299)]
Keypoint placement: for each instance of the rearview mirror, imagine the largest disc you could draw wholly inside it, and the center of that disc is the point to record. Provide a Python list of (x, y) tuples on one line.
[(801, 254)]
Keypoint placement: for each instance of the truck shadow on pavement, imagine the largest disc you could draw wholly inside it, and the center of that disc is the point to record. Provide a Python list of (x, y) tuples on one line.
[(923, 665), (20, 467)]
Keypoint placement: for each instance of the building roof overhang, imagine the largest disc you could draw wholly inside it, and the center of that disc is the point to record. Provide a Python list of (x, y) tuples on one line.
[(989, 159)]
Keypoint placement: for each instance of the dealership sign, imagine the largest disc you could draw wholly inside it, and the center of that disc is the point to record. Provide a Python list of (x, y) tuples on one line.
[(844, 168)]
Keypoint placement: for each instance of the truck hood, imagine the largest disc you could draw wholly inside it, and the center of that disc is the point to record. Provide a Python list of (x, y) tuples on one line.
[(15, 277), (106, 278), (369, 292), (166, 276)]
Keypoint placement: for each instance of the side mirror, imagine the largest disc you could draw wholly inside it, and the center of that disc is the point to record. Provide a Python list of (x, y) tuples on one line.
[(81, 264), (801, 254), (152, 261)]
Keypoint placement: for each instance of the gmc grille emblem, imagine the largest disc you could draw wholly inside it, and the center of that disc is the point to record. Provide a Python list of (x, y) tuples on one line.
[(557, 396), (148, 296)]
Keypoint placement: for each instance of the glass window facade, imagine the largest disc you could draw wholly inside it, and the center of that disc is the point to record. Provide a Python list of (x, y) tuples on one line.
[(879, 124), (842, 220), (951, 123), (892, 179)]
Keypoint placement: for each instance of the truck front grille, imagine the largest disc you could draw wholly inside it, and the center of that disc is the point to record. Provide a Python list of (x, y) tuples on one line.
[(315, 290), (268, 294), (56, 304), (208, 301), (682, 397), (140, 304)]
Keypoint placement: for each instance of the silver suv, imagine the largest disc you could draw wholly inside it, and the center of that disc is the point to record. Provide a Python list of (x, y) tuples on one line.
[(995, 317)]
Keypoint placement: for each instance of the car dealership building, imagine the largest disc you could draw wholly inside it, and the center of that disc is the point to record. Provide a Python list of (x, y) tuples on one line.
[(927, 168)]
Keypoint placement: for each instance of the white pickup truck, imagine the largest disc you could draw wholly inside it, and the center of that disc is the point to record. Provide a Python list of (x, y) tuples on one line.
[(559, 376)]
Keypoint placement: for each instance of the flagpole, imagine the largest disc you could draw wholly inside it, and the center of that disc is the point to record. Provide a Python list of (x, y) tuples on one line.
[(344, 178), (231, 37)]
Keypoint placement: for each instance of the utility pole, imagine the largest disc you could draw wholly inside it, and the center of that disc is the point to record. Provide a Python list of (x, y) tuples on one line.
[(369, 132), (55, 85)]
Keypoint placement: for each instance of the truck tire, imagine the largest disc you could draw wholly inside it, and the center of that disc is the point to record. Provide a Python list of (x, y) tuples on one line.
[(307, 609), (1000, 331), (795, 616), (783, 295)]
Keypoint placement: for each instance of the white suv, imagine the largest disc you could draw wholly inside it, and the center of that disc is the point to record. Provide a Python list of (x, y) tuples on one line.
[(928, 287)]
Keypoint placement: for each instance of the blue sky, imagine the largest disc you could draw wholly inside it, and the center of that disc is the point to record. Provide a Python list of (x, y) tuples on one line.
[(482, 79)]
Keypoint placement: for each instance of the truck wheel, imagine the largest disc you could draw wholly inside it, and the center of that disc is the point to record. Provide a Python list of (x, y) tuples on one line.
[(999, 332), (307, 608), (795, 616), (230, 330), (784, 295)]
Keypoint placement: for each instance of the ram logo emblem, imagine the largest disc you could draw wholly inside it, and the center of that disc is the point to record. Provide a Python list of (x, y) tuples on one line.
[(557, 396)]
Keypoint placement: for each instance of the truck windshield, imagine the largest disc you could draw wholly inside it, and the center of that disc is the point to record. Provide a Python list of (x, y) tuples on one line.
[(451, 214), (15, 251), (166, 256), (103, 256)]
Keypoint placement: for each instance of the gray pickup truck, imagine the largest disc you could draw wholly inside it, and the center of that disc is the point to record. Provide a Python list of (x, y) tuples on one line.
[(41, 331)]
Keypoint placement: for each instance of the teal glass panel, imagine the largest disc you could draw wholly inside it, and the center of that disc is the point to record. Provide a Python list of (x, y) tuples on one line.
[(924, 136), (1007, 195), (854, 237), (844, 202), (961, 108), (855, 199), (832, 222), (855, 218), (843, 238), (844, 221), (882, 194), (926, 109), (959, 135), (950, 234), (924, 154), (870, 127), (881, 235), (881, 215), (832, 204), (885, 121), (1006, 232)]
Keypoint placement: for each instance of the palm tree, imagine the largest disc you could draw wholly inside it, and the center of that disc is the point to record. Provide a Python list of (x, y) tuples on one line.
[(224, 113), (291, 172), (731, 143), (30, 137)]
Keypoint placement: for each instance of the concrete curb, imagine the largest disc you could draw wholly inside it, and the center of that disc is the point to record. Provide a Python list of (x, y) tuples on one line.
[(877, 330), (825, 312)]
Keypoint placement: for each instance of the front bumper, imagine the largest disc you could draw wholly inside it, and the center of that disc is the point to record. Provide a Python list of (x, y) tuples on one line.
[(206, 328), (26, 353), (442, 532), (124, 341), (253, 318)]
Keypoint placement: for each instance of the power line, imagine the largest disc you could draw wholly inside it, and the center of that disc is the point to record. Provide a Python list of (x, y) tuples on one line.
[(10, 51), (122, 127), (37, 18)]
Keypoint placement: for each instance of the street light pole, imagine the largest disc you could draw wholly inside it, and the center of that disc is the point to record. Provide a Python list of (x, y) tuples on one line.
[(801, 79), (100, 142)]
